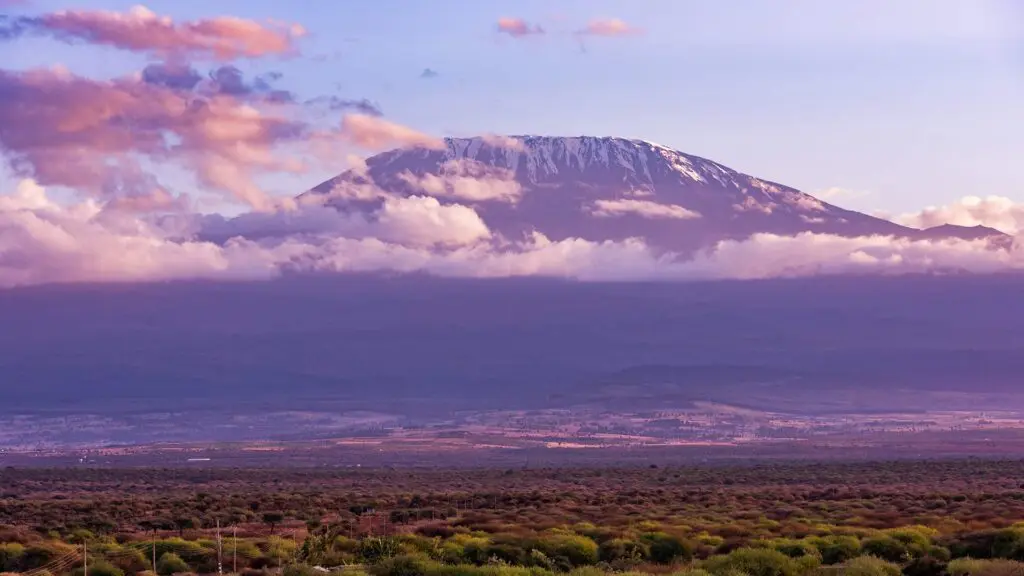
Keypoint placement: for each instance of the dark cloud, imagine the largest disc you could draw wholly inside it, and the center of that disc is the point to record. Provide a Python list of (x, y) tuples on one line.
[(12, 27), (230, 80), (429, 73), (227, 80), (175, 76), (336, 103)]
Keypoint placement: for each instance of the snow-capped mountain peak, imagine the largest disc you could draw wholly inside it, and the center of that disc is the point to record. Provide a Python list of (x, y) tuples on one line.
[(598, 188)]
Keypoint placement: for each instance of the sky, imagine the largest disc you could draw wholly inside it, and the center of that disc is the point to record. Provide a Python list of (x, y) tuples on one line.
[(875, 105), (169, 141)]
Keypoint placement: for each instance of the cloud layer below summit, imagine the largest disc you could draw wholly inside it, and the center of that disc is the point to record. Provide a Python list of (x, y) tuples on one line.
[(43, 241)]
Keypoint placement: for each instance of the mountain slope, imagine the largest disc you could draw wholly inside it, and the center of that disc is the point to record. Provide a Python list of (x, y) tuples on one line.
[(604, 189)]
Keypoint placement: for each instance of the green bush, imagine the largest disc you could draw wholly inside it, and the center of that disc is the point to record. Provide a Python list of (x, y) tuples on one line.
[(170, 563), (129, 560), (984, 567), (753, 562), (796, 548), (621, 549), (836, 549), (378, 548), (100, 568), (869, 566), (886, 548), (668, 549), (405, 565), (11, 554), (572, 549)]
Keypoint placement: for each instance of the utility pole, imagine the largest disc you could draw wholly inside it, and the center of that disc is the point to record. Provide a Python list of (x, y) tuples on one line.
[(154, 552), (220, 565), (85, 559), (234, 549)]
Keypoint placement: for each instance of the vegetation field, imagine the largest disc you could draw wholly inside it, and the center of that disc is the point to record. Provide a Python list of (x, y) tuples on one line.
[(883, 518)]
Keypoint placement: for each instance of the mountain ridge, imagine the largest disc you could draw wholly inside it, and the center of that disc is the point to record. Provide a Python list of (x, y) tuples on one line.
[(609, 188)]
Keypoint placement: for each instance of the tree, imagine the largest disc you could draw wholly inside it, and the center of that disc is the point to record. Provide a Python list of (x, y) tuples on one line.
[(182, 523), (272, 519)]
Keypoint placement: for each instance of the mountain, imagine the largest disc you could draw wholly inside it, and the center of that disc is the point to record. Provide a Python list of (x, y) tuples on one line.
[(995, 237), (602, 188)]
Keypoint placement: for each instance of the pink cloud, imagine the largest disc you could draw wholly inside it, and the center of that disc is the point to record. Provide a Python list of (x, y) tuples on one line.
[(467, 180), (517, 27), (373, 133), (92, 136), (609, 27), (997, 212), (141, 30), (501, 141)]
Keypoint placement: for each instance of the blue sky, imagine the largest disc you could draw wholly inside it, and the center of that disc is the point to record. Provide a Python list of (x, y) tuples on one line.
[(905, 103)]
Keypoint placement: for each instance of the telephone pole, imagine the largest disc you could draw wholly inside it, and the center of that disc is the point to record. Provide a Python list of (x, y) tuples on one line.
[(234, 549), (220, 565), (85, 559), (154, 552)]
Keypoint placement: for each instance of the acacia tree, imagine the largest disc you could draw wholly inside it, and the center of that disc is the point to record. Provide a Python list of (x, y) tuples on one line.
[(272, 519)]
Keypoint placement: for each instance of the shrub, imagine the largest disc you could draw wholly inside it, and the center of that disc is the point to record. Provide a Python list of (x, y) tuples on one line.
[(886, 548), (620, 549), (667, 549), (869, 566), (753, 562), (11, 554), (574, 550), (837, 549), (100, 568), (796, 548), (299, 570), (405, 565), (925, 566), (378, 548), (129, 560), (170, 563), (986, 567), (692, 572)]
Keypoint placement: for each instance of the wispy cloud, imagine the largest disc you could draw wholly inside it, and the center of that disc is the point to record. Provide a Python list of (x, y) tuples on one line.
[(141, 30), (467, 180), (373, 133), (336, 103), (609, 27), (837, 193), (642, 208), (518, 28)]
